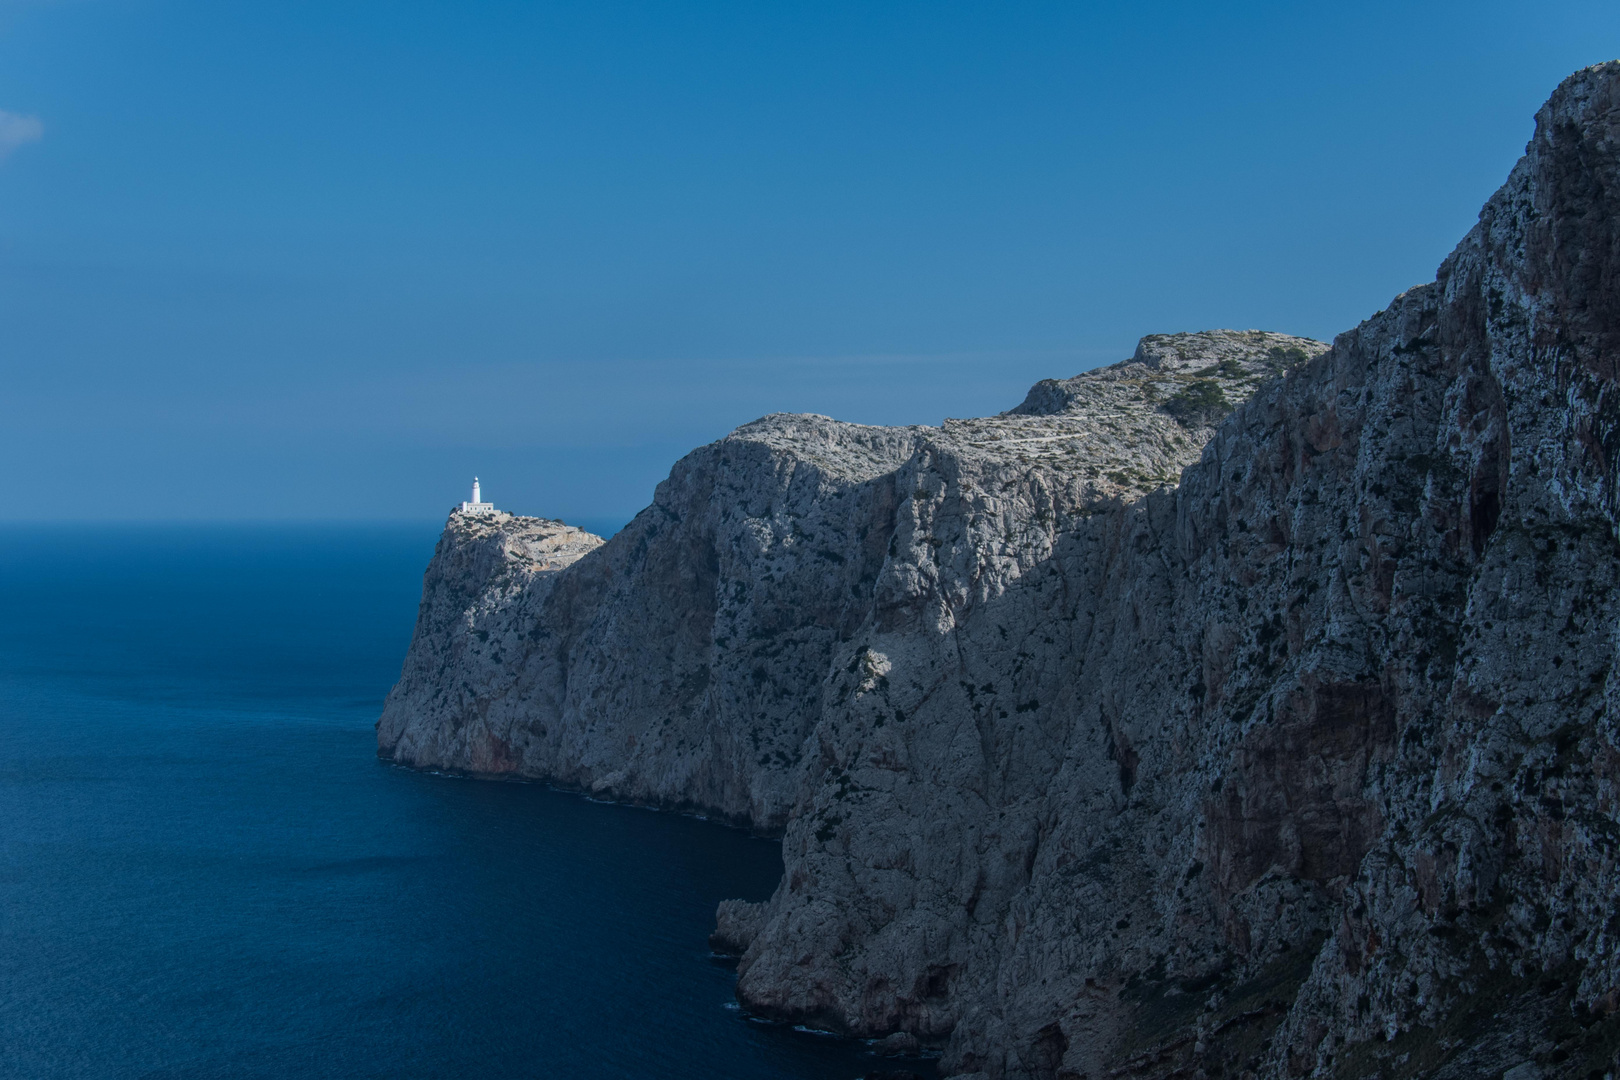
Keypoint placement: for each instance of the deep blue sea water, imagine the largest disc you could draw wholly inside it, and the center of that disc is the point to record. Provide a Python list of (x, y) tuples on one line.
[(206, 872)]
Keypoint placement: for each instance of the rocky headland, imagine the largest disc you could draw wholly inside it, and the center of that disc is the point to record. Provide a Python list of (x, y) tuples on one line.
[(1247, 707)]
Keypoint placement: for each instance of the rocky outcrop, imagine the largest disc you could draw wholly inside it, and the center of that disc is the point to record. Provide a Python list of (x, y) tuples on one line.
[(1112, 737), (490, 577), (685, 663)]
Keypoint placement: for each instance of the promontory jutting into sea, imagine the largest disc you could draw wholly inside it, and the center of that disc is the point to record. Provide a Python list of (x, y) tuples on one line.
[(1233, 694), (1245, 708)]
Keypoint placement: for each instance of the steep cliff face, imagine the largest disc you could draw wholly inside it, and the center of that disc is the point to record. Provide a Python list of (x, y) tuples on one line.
[(685, 664), (1305, 764), (490, 577)]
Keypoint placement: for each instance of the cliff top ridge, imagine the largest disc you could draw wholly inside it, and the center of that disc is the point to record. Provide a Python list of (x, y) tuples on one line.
[(1121, 430)]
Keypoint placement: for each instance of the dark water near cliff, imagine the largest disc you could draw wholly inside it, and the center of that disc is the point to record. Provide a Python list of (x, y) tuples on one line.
[(205, 872)]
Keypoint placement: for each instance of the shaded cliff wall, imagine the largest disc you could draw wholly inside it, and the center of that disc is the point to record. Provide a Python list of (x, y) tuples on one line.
[(1305, 765), (1318, 773)]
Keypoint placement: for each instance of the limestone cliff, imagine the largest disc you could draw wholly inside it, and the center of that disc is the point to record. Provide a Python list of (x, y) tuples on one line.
[(490, 576), (685, 663), (1119, 736)]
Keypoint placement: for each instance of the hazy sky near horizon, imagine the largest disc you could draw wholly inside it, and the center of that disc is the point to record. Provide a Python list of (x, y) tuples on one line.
[(328, 260)]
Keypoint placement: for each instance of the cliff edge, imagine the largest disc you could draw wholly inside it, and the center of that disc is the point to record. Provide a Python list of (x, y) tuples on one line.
[(1246, 708)]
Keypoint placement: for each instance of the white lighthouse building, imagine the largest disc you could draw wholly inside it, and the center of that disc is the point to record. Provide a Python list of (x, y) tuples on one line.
[(478, 505)]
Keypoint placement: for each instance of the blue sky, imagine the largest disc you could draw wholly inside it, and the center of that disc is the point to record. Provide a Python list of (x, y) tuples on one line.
[(327, 260)]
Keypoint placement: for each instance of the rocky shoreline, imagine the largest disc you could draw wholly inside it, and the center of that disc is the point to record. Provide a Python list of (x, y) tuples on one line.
[(1245, 708)]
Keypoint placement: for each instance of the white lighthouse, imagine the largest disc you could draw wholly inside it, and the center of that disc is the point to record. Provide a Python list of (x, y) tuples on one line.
[(478, 505)]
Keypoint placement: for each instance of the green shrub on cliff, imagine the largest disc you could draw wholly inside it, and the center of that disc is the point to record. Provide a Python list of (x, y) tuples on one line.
[(1201, 402), (1283, 357)]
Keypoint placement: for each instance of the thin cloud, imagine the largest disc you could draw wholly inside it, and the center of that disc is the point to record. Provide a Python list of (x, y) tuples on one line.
[(16, 129)]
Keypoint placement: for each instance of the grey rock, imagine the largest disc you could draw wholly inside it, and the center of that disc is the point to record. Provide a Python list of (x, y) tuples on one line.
[(737, 924), (1245, 706), (489, 575), (898, 1044)]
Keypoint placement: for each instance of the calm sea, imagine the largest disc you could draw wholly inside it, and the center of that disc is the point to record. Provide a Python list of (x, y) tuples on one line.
[(205, 871)]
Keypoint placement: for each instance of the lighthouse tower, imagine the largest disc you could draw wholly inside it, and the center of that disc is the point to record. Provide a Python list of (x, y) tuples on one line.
[(478, 505)]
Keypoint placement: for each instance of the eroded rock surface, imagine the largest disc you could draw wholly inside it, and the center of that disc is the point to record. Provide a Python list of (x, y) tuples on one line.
[(1304, 764), (490, 576)]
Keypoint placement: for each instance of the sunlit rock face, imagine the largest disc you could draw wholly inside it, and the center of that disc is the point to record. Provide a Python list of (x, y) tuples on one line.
[(490, 577), (1243, 707), (685, 664)]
